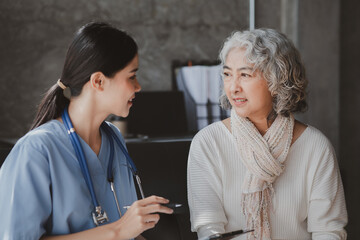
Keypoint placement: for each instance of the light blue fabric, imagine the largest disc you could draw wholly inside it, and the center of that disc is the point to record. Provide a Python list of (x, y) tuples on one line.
[(42, 189)]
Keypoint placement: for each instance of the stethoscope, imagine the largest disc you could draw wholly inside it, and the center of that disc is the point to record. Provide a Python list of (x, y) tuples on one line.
[(99, 215)]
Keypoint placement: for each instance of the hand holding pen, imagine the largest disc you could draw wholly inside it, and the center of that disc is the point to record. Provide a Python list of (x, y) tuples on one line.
[(142, 215)]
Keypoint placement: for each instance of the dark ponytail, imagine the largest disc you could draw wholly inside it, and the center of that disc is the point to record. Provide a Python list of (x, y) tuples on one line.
[(51, 106), (97, 47)]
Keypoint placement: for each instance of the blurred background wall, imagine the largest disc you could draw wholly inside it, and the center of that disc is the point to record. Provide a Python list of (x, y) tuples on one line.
[(35, 35)]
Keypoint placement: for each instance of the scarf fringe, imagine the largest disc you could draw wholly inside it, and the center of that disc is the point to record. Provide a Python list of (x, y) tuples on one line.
[(256, 207)]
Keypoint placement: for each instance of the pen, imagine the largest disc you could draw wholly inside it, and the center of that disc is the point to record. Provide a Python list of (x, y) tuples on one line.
[(172, 205), (169, 205)]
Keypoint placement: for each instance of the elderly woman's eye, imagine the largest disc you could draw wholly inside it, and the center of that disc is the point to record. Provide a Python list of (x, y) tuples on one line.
[(225, 74), (245, 75)]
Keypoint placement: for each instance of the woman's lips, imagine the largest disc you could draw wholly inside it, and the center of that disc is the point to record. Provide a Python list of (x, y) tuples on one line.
[(239, 101), (130, 101)]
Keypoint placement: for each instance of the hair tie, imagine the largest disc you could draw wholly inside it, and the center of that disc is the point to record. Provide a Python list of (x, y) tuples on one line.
[(66, 90), (61, 84)]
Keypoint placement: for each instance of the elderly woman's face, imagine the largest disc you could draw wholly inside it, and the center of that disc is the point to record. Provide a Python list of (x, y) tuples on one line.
[(246, 90)]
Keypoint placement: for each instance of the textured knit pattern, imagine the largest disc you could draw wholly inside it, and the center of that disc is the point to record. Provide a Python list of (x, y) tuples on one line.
[(308, 201)]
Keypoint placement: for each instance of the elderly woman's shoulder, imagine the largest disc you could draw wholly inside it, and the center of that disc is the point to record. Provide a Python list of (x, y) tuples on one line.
[(216, 130), (310, 135)]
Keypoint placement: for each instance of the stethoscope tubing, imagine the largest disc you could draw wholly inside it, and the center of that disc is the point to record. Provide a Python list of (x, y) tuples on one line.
[(83, 164), (80, 155), (132, 166), (111, 133)]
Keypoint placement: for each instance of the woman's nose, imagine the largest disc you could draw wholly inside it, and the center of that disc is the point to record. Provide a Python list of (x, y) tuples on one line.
[(236, 85), (137, 86)]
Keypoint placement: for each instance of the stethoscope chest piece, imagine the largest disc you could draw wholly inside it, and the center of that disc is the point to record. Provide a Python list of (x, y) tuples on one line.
[(99, 216)]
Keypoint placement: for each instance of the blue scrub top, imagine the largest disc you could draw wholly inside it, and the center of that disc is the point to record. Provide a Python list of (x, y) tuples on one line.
[(43, 191)]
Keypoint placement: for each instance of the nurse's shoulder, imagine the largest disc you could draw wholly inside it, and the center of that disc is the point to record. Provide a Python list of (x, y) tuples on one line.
[(45, 135), (40, 141)]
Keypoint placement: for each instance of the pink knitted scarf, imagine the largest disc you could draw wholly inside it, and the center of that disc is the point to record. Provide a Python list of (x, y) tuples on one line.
[(263, 157)]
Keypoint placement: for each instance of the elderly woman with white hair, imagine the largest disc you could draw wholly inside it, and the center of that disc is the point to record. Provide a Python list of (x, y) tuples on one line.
[(261, 169)]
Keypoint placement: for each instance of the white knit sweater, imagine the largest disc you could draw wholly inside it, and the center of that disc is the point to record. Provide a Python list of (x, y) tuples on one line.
[(309, 198)]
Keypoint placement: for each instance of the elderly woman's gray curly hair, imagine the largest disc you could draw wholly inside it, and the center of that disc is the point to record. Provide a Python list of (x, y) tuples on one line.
[(275, 56)]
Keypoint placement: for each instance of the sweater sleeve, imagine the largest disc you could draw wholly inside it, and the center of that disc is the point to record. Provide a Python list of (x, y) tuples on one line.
[(327, 215), (205, 187)]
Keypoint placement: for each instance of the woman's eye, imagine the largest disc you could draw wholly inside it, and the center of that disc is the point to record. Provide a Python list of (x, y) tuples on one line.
[(245, 75), (225, 75), (133, 77)]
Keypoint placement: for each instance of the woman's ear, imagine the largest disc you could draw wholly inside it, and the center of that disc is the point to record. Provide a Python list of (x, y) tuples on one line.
[(97, 80)]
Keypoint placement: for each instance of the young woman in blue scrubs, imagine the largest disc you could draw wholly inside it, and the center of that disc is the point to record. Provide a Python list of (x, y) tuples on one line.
[(43, 192)]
